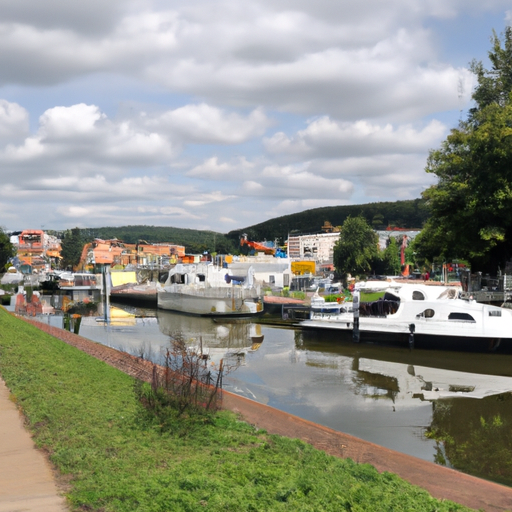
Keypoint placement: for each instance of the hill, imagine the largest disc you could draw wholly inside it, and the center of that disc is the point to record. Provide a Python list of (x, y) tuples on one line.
[(403, 214)]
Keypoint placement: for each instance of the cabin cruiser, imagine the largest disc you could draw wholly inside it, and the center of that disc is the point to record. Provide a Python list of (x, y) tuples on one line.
[(209, 290), (415, 312)]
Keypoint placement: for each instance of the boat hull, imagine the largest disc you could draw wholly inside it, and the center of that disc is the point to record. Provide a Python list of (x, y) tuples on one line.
[(375, 330), (208, 305)]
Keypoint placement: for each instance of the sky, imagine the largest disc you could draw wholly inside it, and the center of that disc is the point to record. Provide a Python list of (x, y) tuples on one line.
[(222, 114)]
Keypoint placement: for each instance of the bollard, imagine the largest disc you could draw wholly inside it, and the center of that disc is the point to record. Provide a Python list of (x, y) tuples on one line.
[(355, 310), (412, 328)]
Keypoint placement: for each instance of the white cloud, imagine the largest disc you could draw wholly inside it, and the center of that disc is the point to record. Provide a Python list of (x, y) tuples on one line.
[(211, 115), (212, 169), (14, 122), (204, 124), (327, 138)]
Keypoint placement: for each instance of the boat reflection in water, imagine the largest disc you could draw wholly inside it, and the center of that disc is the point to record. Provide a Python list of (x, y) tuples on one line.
[(218, 340), (453, 408)]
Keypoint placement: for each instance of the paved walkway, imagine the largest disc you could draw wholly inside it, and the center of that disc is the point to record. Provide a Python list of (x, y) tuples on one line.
[(27, 483)]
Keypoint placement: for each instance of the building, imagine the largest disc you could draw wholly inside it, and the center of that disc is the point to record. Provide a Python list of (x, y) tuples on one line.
[(36, 250), (116, 253), (316, 246)]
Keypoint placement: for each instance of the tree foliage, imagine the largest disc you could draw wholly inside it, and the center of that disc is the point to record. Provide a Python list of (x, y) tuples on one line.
[(72, 245), (471, 205), (6, 249), (357, 248), (389, 259)]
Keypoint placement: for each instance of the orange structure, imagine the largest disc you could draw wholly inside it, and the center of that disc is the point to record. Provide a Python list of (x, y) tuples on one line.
[(37, 249), (257, 246), (117, 253), (107, 252)]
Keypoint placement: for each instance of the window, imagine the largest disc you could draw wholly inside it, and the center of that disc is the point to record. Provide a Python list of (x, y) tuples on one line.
[(461, 316), (271, 279), (428, 313), (494, 313), (416, 295)]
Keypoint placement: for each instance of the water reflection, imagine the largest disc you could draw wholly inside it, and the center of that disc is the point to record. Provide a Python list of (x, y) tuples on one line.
[(474, 436), (449, 407)]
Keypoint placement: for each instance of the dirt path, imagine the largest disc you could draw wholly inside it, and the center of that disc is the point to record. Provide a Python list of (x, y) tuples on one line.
[(440, 482)]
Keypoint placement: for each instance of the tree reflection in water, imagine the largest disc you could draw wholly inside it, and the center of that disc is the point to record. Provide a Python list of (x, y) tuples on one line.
[(475, 438)]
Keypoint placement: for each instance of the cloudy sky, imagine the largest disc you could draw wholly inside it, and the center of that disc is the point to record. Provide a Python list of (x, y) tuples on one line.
[(221, 114)]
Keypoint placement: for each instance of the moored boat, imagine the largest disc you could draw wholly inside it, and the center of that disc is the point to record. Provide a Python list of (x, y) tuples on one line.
[(208, 290), (416, 312)]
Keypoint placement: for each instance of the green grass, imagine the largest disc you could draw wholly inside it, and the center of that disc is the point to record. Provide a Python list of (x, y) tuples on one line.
[(371, 296), (117, 457)]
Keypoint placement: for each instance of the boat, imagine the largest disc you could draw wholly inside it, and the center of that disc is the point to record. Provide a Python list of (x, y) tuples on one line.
[(415, 312), (209, 290), (12, 276)]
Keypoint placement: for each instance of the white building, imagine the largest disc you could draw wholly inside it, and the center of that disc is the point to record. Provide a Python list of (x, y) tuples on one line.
[(269, 270), (318, 246)]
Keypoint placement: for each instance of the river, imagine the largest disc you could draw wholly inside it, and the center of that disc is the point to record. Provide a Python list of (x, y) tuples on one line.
[(452, 408)]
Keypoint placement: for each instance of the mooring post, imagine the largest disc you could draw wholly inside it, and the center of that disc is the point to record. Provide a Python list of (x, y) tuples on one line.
[(412, 328), (355, 310)]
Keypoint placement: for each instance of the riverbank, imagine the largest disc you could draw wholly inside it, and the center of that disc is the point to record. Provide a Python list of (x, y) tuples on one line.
[(475, 492)]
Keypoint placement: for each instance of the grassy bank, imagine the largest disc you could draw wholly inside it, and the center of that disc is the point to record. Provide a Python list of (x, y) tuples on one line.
[(115, 456)]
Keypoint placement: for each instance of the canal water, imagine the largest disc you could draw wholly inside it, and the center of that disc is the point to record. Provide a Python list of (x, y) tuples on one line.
[(450, 407)]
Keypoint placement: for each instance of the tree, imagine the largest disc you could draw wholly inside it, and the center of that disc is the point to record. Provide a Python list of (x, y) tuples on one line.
[(7, 250), (72, 245), (357, 247), (390, 258), (471, 205)]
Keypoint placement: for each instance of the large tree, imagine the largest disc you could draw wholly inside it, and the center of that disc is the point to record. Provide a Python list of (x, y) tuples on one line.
[(471, 205), (7, 250), (357, 248)]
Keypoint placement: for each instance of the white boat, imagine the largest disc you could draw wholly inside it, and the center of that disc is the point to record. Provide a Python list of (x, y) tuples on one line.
[(208, 290), (12, 276), (416, 312)]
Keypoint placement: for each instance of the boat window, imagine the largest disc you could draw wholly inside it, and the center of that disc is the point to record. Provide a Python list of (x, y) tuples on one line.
[(428, 313), (461, 316), (178, 279), (495, 313), (201, 278), (416, 295)]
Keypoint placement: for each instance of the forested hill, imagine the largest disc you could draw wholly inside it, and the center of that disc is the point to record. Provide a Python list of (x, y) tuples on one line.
[(404, 214)]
